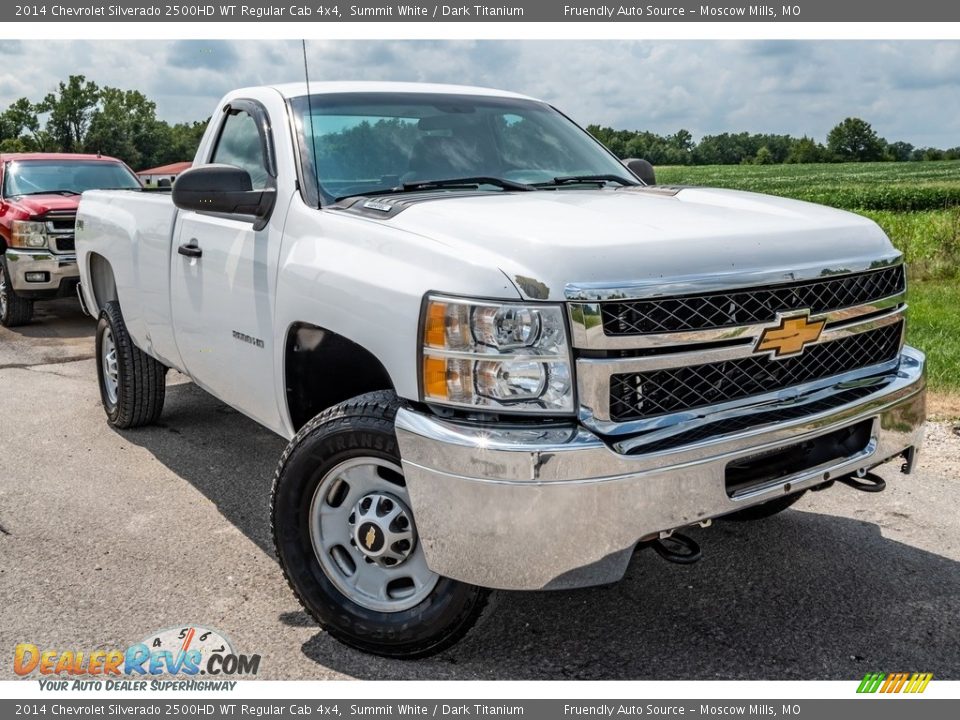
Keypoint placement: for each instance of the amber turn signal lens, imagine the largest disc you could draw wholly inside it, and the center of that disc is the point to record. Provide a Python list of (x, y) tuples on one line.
[(435, 377), (435, 332)]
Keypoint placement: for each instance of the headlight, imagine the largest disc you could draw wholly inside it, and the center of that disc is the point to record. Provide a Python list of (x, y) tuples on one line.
[(28, 234), (496, 355)]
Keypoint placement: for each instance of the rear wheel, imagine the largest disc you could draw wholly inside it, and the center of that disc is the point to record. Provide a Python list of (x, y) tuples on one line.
[(14, 310), (765, 510), (132, 384), (347, 539)]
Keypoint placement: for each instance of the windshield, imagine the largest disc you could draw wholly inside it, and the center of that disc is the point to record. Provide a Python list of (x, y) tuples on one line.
[(35, 177), (361, 143)]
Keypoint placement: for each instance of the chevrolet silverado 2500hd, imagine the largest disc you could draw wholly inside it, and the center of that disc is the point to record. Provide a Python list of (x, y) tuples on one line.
[(502, 360), (39, 193)]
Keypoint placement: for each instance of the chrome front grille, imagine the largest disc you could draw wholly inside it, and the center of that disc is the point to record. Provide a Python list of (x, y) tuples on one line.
[(60, 230), (663, 361), (748, 306), (635, 396), (760, 417)]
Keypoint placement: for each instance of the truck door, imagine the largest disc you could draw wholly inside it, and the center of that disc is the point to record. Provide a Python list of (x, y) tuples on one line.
[(223, 278)]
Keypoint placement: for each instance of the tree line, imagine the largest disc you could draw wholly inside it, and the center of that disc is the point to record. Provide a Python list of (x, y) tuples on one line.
[(81, 116), (852, 140)]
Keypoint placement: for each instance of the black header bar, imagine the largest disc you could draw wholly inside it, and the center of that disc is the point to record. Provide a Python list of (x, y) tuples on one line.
[(332, 11)]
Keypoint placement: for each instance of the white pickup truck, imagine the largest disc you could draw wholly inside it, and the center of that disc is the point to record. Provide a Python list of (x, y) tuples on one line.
[(501, 357)]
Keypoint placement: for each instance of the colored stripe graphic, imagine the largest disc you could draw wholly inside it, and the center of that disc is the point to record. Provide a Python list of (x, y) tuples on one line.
[(885, 688), (894, 682), (901, 679)]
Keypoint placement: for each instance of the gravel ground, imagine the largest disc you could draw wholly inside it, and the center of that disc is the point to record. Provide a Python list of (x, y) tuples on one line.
[(106, 536)]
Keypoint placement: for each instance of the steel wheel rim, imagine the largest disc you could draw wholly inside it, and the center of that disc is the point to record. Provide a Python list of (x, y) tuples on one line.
[(108, 359), (363, 581), (3, 292)]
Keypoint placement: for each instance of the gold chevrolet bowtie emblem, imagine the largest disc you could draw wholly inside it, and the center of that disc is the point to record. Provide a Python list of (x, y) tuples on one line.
[(791, 336), (371, 538)]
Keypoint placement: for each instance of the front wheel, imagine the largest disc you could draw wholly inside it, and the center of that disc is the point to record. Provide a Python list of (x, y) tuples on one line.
[(347, 539), (14, 310)]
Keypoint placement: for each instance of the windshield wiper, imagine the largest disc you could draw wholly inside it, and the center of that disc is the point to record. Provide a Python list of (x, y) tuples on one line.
[(467, 182), (49, 192), (578, 179)]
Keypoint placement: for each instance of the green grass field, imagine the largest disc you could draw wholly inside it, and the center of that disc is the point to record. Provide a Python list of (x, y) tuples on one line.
[(899, 187), (934, 326), (917, 204)]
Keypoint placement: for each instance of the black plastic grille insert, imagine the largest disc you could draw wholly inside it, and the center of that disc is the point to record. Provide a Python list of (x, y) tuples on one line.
[(749, 306), (637, 396)]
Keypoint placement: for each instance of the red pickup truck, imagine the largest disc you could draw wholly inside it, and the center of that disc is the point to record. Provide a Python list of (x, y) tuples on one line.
[(39, 194)]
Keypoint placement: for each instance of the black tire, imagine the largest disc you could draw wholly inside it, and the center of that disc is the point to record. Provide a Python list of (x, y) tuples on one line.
[(765, 510), (140, 381), (14, 310), (358, 428)]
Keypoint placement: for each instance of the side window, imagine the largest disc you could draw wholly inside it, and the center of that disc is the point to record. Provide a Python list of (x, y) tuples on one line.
[(240, 145)]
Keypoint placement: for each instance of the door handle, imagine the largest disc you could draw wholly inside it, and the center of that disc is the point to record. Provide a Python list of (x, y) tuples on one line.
[(190, 249)]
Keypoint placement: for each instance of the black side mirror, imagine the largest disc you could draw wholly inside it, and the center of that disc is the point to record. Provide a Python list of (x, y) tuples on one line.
[(642, 169), (223, 189)]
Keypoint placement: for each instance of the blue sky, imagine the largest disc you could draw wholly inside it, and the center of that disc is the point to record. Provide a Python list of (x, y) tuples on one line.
[(908, 90)]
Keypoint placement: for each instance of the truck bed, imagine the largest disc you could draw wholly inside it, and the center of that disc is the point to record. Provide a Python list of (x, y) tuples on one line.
[(134, 229)]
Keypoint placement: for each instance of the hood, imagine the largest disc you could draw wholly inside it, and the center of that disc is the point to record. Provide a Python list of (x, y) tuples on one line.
[(544, 241), (40, 204)]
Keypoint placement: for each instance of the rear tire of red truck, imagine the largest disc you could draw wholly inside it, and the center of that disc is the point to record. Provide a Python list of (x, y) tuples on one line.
[(347, 541)]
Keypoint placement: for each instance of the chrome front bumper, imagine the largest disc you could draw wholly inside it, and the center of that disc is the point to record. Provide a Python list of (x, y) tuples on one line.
[(58, 268), (550, 508)]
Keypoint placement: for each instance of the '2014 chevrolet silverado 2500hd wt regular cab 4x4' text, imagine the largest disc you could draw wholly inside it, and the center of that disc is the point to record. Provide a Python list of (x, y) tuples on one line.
[(502, 359), (39, 194)]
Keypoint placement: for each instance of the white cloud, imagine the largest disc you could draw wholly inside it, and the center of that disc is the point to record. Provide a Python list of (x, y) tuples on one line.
[(908, 90)]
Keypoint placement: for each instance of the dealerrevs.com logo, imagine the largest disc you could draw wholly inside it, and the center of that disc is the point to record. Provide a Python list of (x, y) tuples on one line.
[(186, 652)]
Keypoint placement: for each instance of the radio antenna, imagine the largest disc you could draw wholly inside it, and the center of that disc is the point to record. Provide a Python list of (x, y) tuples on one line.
[(313, 135)]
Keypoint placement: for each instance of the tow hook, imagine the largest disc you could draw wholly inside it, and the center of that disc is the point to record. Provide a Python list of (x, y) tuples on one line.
[(865, 481), (677, 548)]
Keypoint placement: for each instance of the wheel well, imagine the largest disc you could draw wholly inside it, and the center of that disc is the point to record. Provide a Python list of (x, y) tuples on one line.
[(323, 369), (101, 277)]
